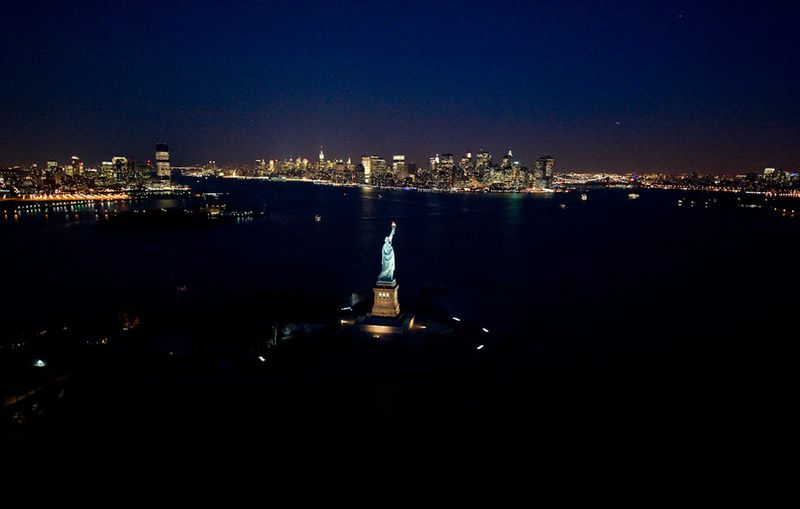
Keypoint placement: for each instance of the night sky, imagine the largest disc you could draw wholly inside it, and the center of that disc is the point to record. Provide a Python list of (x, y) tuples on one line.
[(612, 86)]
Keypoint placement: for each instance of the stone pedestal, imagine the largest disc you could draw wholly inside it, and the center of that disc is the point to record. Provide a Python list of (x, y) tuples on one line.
[(382, 326), (386, 303)]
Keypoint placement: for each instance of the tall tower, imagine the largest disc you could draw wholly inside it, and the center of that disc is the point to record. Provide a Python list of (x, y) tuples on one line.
[(467, 166), (507, 161), (162, 161), (483, 160), (77, 166), (399, 165), (543, 171), (444, 172), (120, 168), (366, 163)]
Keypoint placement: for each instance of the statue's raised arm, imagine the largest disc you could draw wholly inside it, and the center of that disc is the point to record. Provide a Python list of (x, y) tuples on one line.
[(394, 227)]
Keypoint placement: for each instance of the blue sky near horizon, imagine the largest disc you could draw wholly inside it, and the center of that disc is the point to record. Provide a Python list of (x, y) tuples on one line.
[(680, 86)]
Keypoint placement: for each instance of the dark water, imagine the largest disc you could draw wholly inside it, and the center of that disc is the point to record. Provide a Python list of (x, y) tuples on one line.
[(628, 312), (509, 261)]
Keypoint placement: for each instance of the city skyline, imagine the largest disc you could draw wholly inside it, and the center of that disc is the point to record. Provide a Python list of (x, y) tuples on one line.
[(153, 161), (658, 87)]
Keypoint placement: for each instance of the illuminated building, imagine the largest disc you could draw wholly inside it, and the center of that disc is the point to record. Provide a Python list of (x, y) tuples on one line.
[(162, 161), (399, 166), (483, 164), (77, 166), (543, 172), (411, 170), (507, 162), (121, 167), (466, 164), (467, 167), (378, 165), (443, 171), (107, 170), (366, 163), (519, 175), (374, 167), (426, 176), (483, 160)]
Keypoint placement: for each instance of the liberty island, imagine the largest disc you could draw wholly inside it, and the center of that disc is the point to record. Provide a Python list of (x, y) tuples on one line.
[(385, 317)]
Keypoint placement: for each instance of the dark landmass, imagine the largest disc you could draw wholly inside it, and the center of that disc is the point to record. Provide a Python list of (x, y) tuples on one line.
[(192, 385)]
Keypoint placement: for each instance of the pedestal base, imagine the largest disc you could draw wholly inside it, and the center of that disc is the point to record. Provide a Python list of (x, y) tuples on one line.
[(386, 303), (379, 326)]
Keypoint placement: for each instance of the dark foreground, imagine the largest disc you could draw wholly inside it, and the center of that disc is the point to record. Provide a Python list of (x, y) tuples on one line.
[(324, 399)]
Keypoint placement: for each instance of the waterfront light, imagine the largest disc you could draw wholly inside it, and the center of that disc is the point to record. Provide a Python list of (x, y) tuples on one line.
[(480, 347), (456, 318), (484, 329)]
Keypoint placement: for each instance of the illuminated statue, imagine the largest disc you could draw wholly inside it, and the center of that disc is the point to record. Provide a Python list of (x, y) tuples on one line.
[(387, 259)]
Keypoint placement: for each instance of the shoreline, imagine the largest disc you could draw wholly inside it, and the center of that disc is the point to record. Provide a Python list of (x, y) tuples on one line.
[(566, 189), (395, 188)]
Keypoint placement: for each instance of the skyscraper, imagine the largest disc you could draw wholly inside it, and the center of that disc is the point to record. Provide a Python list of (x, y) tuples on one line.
[(543, 171), (399, 166), (444, 171), (508, 161), (107, 171), (378, 165), (366, 163), (120, 168), (467, 165), (483, 159), (374, 169), (434, 163), (483, 164), (77, 166), (162, 161)]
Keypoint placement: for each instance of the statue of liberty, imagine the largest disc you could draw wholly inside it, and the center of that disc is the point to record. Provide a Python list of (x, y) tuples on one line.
[(387, 259)]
